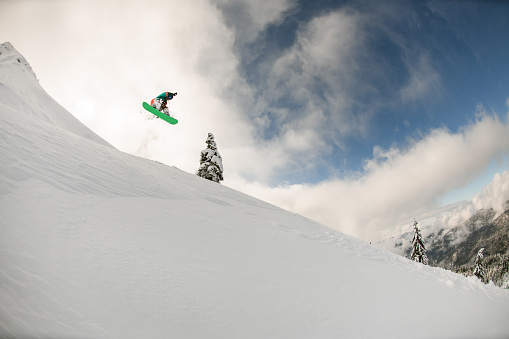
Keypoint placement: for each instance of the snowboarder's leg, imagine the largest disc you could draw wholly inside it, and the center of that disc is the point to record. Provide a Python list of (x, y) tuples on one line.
[(164, 109), (156, 104)]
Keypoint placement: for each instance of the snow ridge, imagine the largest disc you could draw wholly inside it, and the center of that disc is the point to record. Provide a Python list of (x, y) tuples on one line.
[(21, 93), (8, 52)]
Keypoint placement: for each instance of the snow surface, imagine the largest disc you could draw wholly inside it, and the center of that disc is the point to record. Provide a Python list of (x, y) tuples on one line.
[(96, 243)]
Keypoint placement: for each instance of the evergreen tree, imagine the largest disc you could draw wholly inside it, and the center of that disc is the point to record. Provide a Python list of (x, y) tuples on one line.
[(418, 248), (211, 163), (479, 267)]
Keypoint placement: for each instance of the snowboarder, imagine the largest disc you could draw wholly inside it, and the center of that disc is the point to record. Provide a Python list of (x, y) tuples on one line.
[(161, 100)]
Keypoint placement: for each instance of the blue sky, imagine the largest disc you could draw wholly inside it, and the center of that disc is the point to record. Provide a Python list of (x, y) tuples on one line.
[(420, 65), (388, 109)]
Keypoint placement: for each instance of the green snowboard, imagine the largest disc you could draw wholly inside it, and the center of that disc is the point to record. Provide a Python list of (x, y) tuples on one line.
[(161, 115)]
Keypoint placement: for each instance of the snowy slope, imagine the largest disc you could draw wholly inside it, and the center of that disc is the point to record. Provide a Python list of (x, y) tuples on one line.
[(21, 92), (96, 243)]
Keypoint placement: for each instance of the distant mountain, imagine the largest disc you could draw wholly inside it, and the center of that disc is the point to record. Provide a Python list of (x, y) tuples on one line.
[(460, 245), (457, 245), (456, 248)]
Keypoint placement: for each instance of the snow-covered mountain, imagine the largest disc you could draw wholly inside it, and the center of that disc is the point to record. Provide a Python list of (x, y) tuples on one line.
[(458, 245), (457, 225), (20, 93), (96, 243)]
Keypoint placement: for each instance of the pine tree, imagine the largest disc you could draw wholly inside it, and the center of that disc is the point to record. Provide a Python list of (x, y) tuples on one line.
[(211, 163), (418, 248), (479, 267)]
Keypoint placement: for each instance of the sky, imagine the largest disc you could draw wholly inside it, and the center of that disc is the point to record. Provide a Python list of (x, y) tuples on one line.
[(361, 115)]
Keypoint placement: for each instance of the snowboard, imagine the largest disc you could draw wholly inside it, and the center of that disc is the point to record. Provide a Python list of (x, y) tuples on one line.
[(158, 114)]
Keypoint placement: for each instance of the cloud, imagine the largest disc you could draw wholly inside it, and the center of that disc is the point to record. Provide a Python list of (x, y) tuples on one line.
[(309, 98), (316, 75), (401, 183), (330, 85), (495, 195), (132, 52), (300, 107), (250, 17), (423, 81)]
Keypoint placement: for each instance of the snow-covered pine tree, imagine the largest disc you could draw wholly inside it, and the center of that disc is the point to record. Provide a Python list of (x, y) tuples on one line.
[(211, 163), (418, 248), (479, 267)]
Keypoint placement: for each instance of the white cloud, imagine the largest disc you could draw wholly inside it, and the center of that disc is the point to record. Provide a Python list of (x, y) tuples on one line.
[(250, 17), (400, 184), (312, 77), (132, 52), (495, 195), (424, 81), (322, 64)]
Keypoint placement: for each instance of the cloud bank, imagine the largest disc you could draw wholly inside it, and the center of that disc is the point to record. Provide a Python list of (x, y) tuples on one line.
[(399, 184), (495, 195)]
